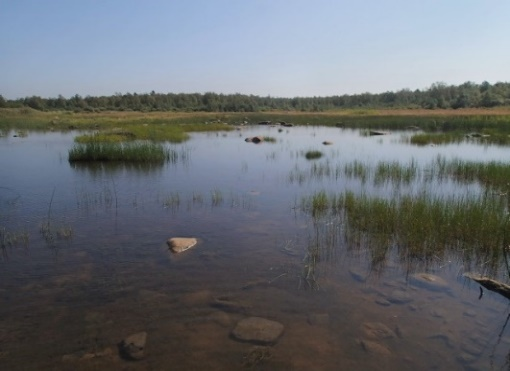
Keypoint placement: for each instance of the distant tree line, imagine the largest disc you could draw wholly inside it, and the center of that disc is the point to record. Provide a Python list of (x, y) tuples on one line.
[(439, 95)]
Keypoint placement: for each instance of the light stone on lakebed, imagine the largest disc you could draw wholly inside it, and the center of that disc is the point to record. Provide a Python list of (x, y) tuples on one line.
[(258, 331), (133, 347), (429, 282), (180, 244)]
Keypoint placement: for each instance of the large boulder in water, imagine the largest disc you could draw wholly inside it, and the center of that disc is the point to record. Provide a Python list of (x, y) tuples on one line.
[(180, 244)]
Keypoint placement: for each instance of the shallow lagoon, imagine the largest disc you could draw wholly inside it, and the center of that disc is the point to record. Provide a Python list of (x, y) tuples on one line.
[(104, 271)]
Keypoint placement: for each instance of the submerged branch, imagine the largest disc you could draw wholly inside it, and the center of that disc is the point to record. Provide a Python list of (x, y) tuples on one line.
[(490, 284)]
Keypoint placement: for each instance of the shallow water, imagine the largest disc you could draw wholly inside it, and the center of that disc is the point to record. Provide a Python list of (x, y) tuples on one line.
[(104, 270)]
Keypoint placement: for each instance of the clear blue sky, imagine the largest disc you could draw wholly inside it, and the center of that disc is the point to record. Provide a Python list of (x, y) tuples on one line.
[(282, 48)]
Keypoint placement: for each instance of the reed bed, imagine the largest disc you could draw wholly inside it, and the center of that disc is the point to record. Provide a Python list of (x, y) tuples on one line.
[(423, 139), (395, 172), (126, 152), (422, 227), (494, 176)]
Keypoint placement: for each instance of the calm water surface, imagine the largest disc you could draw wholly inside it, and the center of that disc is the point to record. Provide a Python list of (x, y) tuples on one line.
[(103, 270)]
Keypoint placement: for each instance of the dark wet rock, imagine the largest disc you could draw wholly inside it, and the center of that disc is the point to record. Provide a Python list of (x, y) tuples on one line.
[(383, 302), (429, 281), (257, 139), (378, 132), (229, 305), (133, 347), (287, 124), (258, 331), (318, 319), (327, 143), (399, 332), (399, 297), (264, 123), (377, 330), (357, 274), (374, 348), (180, 244)]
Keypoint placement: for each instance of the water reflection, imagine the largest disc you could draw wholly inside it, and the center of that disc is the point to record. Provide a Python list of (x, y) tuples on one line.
[(96, 169), (348, 298)]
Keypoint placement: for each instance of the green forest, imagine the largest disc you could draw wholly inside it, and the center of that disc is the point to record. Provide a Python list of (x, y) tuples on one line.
[(438, 96)]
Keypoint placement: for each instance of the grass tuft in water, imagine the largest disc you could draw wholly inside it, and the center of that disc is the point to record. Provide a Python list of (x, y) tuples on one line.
[(312, 155), (216, 197), (421, 228), (126, 152)]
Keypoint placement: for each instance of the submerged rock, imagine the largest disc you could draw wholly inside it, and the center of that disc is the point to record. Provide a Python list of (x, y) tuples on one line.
[(358, 275), (180, 244), (373, 347), (229, 305), (429, 282), (133, 347), (377, 330), (399, 297), (255, 140), (327, 143), (258, 331), (318, 319)]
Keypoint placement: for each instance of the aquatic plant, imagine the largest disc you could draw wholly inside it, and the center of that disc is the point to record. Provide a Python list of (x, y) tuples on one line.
[(12, 238), (172, 201), (128, 152), (216, 197), (395, 172), (422, 227), (312, 155), (422, 139)]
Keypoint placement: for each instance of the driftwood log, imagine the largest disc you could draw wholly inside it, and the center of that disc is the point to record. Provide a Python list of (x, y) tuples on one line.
[(490, 284)]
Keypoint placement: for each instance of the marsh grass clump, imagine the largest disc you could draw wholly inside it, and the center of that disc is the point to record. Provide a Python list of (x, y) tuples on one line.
[(173, 201), (270, 139), (312, 155), (317, 204), (216, 197), (127, 152), (421, 228), (423, 139), (395, 172), (12, 239), (357, 170)]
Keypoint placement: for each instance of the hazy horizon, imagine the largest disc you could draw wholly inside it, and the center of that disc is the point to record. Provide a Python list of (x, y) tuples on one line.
[(264, 48)]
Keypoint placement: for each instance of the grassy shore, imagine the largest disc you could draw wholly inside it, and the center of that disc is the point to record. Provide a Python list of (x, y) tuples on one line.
[(447, 120)]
